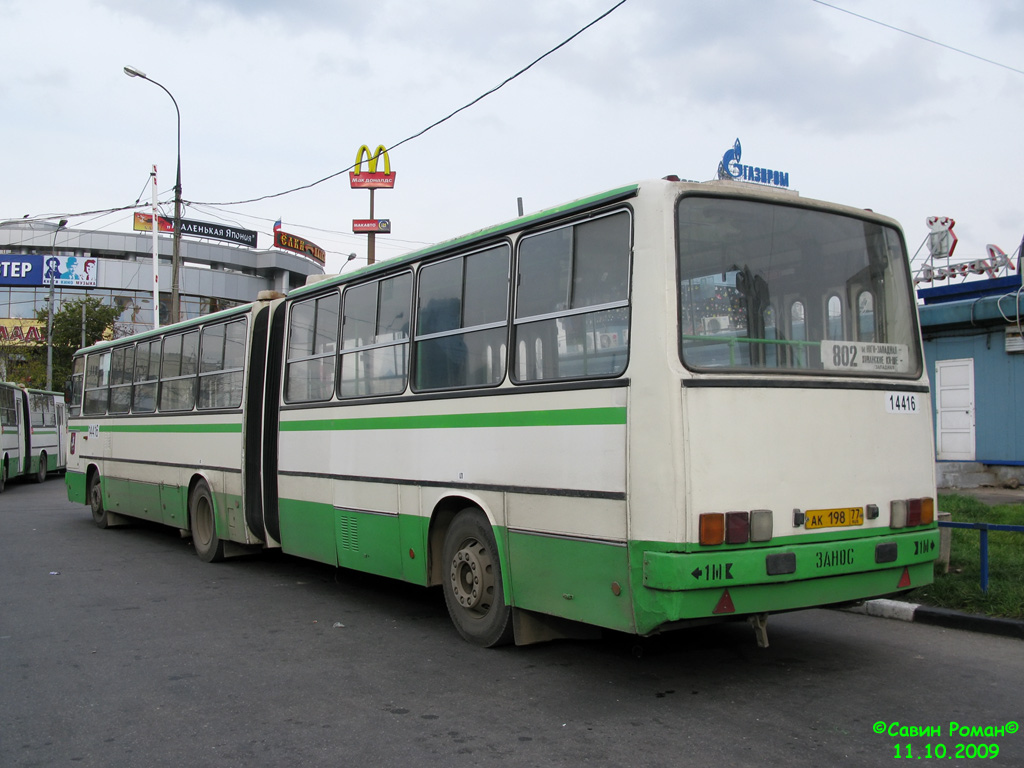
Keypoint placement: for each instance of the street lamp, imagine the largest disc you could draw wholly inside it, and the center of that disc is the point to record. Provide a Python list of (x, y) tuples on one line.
[(351, 257), (175, 254), (49, 312)]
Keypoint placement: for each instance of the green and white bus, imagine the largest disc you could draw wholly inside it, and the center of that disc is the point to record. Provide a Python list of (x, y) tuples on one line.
[(667, 404), (33, 431)]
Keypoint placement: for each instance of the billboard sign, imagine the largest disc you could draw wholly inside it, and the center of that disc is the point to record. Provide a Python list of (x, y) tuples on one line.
[(380, 226), (22, 331), (34, 269), (144, 223), (299, 245)]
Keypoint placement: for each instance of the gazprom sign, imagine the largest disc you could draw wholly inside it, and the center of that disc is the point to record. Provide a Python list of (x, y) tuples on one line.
[(732, 168)]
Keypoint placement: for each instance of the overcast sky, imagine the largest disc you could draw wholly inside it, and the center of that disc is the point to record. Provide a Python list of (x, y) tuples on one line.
[(276, 95)]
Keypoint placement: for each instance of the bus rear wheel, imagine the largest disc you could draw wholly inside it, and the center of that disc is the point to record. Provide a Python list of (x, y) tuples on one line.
[(95, 495), (202, 520), (41, 472), (472, 581), (3, 474)]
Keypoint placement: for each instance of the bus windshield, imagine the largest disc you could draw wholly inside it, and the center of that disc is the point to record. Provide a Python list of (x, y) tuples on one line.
[(783, 289)]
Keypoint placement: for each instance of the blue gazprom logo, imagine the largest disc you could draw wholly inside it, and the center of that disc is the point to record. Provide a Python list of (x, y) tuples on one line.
[(732, 168)]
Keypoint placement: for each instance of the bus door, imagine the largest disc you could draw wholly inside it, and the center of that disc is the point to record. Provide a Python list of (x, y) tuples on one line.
[(26, 432), (62, 433)]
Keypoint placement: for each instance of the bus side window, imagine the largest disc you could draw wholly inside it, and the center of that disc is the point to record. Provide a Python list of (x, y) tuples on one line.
[(147, 372), (8, 413), (77, 379), (312, 343), (375, 338), (572, 304), (866, 316), (37, 408), (462, 321), (122, 364), (178, 365), (221, 364), (835, 318), (97, 380)]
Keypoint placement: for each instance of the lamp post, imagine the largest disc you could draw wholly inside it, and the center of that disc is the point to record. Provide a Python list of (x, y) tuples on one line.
[(175, 254), (49, 312), (351, 257)]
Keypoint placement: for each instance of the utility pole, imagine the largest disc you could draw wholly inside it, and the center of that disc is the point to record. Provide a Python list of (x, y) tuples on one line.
[(49, 311)]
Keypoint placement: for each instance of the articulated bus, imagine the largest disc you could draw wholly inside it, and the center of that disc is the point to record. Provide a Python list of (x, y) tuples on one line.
[(664, 405), (32, 433)]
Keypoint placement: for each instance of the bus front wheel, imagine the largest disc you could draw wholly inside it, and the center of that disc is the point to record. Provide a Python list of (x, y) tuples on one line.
[(209, 546), (472, 581), (41, 472)]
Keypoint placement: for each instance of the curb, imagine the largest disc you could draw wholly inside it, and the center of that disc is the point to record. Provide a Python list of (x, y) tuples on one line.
[(940, 617)]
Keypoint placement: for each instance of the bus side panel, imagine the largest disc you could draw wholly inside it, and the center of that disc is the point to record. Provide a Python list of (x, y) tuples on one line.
[(307, 526), (369, 531), (174, 503), (369, 541), (131, 497), (581, 580), (75, 484), (558, 570)]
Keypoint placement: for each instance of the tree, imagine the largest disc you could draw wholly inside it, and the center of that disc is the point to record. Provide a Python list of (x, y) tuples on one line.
[(67, 337)]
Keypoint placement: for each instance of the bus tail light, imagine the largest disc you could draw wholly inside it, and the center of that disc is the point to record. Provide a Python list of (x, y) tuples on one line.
[(712, 528), (913, 513), (927, 511), (910, 513), (737, 527), (898, 514), (761, 525)]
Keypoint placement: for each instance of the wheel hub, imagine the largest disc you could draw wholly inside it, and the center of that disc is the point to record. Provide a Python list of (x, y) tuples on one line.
[(468, 572)]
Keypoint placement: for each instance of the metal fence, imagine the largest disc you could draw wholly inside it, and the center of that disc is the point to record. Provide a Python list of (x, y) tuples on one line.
[(983, 528)]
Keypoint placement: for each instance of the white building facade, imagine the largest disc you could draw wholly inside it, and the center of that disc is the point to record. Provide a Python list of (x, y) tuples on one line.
[(119, 271)]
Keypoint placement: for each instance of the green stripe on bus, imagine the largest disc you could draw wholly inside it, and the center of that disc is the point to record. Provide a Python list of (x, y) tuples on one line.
[(166, 428), (575, 417)]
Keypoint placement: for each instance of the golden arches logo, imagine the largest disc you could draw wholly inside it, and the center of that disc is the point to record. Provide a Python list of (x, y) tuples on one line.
[(371, 159), (373, 179)]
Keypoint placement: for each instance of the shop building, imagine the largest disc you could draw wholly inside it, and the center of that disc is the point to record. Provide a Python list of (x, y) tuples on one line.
[(975, 355), (117, 268)]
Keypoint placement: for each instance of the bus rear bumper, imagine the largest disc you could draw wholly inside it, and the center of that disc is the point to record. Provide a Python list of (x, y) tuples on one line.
[(693, 585)]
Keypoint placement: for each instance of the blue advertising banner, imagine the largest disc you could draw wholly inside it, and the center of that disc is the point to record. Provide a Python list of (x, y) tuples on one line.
[(21, 269), (33, 269)]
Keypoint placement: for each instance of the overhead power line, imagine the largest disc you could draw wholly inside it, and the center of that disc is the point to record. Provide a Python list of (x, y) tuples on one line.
[(433, 125), (919, 37)]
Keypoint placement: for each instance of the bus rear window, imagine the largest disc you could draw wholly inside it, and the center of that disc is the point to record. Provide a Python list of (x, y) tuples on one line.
[(779, 288)]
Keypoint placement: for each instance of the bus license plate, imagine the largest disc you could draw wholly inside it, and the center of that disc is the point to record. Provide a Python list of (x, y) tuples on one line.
[(833, 518)]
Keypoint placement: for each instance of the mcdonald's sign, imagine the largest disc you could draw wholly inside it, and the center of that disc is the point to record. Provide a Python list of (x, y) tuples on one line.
[(374, 179)]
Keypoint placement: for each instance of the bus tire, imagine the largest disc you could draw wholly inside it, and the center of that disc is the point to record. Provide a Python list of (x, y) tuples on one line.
[(41, 471), (472, 581), (203, 524), (95, 495), (3, 473)]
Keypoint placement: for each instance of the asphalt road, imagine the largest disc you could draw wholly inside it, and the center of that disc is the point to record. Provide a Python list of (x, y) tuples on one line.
[(121, 648)]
